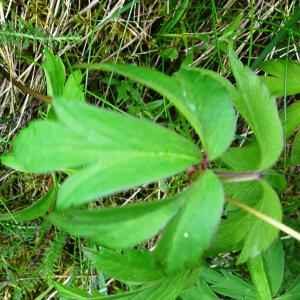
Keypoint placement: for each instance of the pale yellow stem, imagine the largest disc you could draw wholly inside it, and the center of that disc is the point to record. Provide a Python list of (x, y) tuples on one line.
[(286, 229)]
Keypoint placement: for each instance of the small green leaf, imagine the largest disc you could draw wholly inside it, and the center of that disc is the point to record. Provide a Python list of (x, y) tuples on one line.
[(170, 53), (259, 278), (200, 291), (120, 227), (166, 289), (190, 232), (283, 73), (73, 88), (199, 97), (34, 211), (276, 180), (130, 266), (55, 73), (259, 110), (228, 285), (274, 265), (295, 154)]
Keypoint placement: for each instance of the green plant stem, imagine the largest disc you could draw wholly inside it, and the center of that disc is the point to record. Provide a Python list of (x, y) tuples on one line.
[(238, 177), (289, 231), (281, 33)]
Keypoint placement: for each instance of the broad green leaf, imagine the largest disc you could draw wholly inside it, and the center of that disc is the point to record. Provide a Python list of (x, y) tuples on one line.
[(100, 141), (130, 266), (190, 232), (259, 110), (274, 265), (283, 73), (120, 227), (241, 230), (73, 88), (228, 285), (259, 278), (34, 211), (200, 291), (295, 154), (55, 73), (200, 98), (292, 118), (293, 292), (210, 107)]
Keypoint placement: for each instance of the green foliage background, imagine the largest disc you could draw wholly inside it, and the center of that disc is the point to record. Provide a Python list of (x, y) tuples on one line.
[(163, 35)]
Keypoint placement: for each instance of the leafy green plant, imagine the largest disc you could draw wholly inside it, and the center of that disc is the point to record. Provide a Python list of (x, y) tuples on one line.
[(227, 205)]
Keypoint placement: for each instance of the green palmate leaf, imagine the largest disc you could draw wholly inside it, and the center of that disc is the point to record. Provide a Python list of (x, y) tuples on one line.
[(120, 227), (295, 154), (73, 88), (284, 79), (130, 266), (228, 285), (273, 260), (34, 211), (259, 109), (259, 278), (199, 97), (55, 73), (200, 291), (100, 141), (190, 232), (290, 119), (241, 230)]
